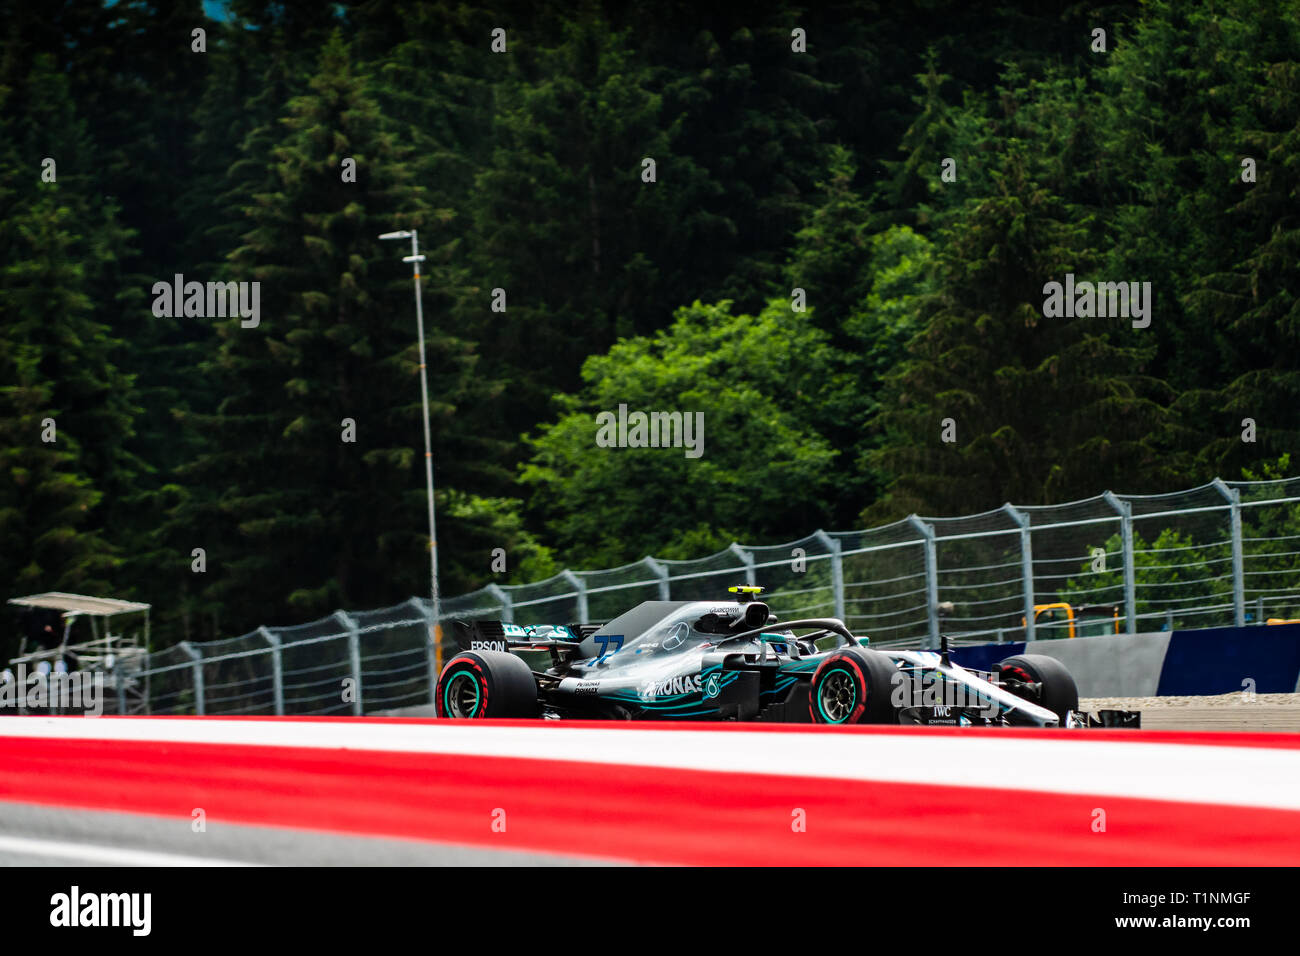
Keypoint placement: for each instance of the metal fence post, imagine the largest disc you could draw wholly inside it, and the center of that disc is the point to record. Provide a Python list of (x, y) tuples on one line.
[(120, 675), (837, 569), (747, 560), (507, 606), (1238, 570), (430, 644), (197, 668), (354, 656), (580, 590), (277, 670), (1125, 511), (1026, 568), (661, 572), (931, 578)]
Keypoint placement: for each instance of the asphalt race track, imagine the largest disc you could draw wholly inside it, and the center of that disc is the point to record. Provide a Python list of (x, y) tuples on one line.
[(35, 835), (125, 790)]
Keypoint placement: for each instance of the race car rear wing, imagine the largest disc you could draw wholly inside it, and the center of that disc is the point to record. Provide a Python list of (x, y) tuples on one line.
[(505, 636)]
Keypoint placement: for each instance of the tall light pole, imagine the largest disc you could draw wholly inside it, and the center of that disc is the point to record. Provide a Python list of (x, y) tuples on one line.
[(415, 259)]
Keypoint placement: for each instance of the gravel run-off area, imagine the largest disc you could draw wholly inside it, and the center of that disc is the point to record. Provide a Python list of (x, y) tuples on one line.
[(1235, 711)]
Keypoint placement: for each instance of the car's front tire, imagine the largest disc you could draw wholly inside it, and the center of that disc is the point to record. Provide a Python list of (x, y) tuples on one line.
[(1057, 691), (482, 684), (853, 686)]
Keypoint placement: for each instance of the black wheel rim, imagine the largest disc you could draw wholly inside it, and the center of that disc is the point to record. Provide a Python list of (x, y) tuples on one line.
[(837, 696), (462, 695)]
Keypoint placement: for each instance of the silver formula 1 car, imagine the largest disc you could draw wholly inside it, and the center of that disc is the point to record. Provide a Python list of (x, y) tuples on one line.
[(733, 660)]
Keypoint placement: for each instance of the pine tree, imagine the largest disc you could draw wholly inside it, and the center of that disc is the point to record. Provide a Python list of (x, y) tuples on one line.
[(1045, 409), (831, 257), (915, 182), (48, 502), (584, 250), (863, 289), (1256, 301), (297, 521), (63, 519)]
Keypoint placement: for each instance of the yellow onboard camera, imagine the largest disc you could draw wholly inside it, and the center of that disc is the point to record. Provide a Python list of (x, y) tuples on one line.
[(747, 592)]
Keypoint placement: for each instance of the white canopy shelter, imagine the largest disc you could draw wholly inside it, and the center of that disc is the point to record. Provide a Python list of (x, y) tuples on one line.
[(105, 649), (79, 604)]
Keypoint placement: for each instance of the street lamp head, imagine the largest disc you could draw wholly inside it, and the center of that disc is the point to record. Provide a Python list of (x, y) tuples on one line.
[(400, 234)]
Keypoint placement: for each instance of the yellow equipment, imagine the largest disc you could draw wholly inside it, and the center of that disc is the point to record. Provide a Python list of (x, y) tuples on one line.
[(1086, 620)]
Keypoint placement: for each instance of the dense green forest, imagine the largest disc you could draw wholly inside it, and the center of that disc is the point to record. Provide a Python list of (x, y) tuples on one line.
[(845, 244)]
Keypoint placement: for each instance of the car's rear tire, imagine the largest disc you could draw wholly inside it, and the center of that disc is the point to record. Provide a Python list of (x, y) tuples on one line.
[(1059, 694), (482, 684), (853, 686)]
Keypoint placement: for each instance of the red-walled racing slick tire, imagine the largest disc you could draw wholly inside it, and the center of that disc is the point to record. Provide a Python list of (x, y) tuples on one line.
[(481, 684), (1041, 680), (853, 686)]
